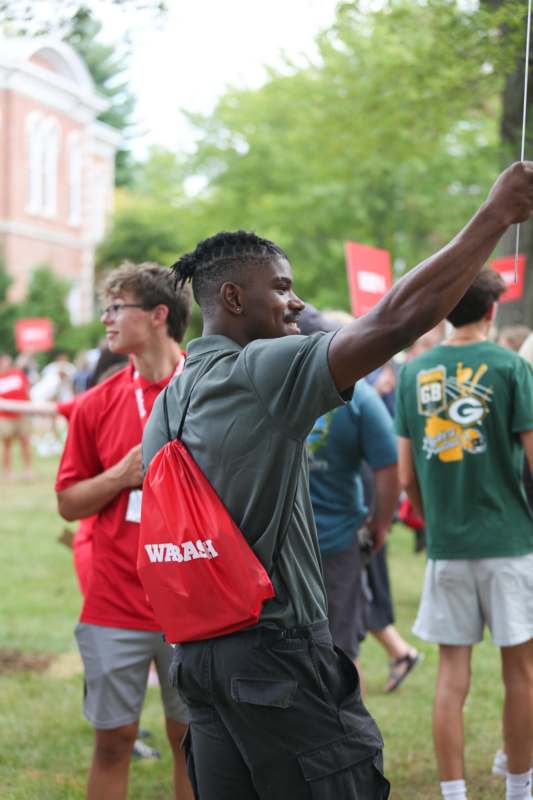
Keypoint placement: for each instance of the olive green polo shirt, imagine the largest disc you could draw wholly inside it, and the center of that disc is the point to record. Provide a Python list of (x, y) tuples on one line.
[(247, 422)]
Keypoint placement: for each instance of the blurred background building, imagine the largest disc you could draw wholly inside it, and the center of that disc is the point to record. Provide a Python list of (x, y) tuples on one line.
[(56, 167)]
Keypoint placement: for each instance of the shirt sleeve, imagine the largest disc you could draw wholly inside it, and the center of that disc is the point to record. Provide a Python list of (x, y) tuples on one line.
[(378, 442), (66, 407), (401, 418), (80, 458), (292, 380), (522, 397)]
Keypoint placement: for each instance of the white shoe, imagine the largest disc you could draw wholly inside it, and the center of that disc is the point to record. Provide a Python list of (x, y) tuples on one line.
[(499, 765)]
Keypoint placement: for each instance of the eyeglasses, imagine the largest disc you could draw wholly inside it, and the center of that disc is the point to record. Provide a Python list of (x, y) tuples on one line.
[(113, 309)]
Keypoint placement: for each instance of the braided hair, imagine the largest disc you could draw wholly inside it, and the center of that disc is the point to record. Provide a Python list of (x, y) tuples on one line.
[(220, 258)]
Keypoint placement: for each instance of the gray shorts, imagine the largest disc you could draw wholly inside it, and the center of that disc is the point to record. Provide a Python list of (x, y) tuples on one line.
[(461, 596), (117, 662), (347, 594)]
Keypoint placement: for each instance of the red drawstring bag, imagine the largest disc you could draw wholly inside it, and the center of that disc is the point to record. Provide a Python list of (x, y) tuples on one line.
[(199, 572)]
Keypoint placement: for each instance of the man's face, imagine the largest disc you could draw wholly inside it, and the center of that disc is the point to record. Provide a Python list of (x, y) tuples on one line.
[(271, 308), (127, 325)]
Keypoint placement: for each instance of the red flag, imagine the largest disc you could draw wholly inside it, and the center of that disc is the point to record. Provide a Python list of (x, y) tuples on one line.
[(34, 335), (505, 266), (369, 275)]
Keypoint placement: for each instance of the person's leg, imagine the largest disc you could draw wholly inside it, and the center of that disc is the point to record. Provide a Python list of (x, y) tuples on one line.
[(505, 590), (6, 455), (347, 600), (108, 774), (176, 716), (517, 673), (25, 452), (116, 662), (453, 683), (390, 639), (403, 656), (175, 733), (219, 770)]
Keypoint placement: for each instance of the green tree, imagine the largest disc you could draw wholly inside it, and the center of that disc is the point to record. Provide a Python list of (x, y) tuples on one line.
[(107, 64), (141, 231), (46, 297), (158, 219), (510, 21), (8, 312), (391, 137), (35, 18)]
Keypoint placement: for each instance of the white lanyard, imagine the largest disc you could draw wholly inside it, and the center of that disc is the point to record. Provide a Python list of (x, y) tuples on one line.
[(138, 391), (133, 511)]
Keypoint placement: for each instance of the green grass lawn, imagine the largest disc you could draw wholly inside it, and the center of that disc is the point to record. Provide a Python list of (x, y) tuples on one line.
[(45, 743)]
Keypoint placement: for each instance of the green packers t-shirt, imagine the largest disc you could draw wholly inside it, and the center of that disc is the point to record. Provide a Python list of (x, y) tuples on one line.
[(463, 407)]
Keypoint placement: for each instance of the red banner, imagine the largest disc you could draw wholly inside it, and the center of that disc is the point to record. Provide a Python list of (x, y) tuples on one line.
[(505, 266), (34, 335), (369, 275)]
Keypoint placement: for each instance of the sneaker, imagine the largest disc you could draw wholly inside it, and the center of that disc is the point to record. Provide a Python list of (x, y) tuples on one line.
[(499, 765), (142, 750)]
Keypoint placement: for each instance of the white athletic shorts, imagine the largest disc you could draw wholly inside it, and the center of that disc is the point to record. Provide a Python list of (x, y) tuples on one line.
[(117, 662), (461, 596)]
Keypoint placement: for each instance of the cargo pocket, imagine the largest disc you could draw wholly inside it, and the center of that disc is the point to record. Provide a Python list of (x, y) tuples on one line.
[(263, 692), (343, 769)]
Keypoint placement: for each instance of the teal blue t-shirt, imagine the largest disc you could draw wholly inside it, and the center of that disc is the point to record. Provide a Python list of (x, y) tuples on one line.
[(340, 441), (463, 407)]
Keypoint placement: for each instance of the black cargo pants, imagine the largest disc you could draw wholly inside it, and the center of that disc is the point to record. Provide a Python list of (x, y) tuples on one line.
[(277, 715)]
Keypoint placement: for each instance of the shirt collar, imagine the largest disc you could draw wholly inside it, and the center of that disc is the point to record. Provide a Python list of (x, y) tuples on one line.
[(211, 344)]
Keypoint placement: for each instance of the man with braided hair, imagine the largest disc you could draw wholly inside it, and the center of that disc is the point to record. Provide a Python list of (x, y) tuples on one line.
[(275, 710)]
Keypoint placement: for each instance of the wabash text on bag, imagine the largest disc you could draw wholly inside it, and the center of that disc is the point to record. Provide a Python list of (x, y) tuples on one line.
[(201, 575)]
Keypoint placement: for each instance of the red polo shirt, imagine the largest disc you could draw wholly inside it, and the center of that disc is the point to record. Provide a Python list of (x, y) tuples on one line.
[(104, 426), (14, 385)]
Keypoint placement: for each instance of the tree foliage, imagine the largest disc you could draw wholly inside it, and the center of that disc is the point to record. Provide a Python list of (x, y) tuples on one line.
[(142, 231), (107, 64), (389, 138), (47, 297), (34, 18), (7, 312)]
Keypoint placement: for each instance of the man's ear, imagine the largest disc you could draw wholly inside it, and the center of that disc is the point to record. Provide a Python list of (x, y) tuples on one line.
[(232, 297), (160, 315)]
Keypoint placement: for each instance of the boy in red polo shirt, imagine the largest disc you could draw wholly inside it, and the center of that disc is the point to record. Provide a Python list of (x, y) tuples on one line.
[(100, 473), (14, 385)]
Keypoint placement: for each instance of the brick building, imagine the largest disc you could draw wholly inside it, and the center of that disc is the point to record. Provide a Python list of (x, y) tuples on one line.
[(56, 167)]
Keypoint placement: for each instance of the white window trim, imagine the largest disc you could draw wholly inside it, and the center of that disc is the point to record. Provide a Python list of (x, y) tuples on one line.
[(75, 172), (34, 163), (50, 156)]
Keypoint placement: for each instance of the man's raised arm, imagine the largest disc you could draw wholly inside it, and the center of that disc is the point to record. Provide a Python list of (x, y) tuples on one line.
[(423, 297)]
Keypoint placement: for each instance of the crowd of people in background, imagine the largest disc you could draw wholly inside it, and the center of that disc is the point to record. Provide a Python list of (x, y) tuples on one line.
[(353, 479), (250, 399)]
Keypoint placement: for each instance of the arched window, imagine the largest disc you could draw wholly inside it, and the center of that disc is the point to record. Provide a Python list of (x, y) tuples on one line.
[(50, 165), (34, 162), (74, 178)]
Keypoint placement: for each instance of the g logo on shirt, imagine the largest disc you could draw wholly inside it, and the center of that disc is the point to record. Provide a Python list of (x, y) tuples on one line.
[(466, 410)]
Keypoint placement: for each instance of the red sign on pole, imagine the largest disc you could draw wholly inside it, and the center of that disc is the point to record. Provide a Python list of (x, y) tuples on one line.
[(369, 275), (34, 335), (505, 266)]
